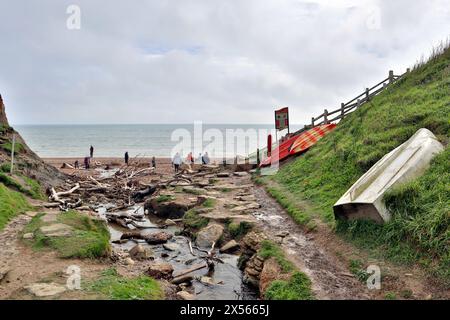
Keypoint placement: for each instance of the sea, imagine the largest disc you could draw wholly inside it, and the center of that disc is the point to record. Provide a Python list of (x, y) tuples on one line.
[(148, 140)]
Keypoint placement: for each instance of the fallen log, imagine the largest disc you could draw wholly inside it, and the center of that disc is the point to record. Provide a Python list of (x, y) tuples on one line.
[(190, 270)]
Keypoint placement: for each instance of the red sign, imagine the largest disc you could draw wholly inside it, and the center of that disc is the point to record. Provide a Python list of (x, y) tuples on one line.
[(282, 119)]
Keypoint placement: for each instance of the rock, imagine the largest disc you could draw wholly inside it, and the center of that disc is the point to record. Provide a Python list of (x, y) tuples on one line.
[(45, 289), (209, 235), (207, 281), (184, 295), (160, 270), (4, 272), (173, 209), (230, 246), (249, 207), (28, 236), (171, 246), (271, 271), (158, 238), (282, 234), (129, 262), (252, 241), (241, 174), (250, 280), (182, 279), (223, 175), (139, 252), (170, 222), (193, 190), (251, 198), (57, 230), (429, 297), (31, 214)]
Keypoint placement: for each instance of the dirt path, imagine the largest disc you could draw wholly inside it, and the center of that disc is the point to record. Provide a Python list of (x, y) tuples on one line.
[(22, 266), (325, 258)]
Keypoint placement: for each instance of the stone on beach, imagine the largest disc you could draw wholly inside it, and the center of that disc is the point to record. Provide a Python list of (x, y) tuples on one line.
[(171, 246)]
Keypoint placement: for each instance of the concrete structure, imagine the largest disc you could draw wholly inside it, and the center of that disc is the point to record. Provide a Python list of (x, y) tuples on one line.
[(364, 200)]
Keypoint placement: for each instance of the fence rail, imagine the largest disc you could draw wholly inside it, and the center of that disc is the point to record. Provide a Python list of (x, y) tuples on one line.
[(355, 103)]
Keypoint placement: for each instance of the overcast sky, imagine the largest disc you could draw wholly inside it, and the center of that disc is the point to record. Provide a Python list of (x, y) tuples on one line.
[(218, 61)]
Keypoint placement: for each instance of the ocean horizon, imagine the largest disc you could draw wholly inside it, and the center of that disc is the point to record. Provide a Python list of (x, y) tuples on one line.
[(143, 140)]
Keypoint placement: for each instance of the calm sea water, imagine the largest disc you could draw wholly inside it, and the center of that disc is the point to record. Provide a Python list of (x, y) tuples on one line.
[(159, 140)]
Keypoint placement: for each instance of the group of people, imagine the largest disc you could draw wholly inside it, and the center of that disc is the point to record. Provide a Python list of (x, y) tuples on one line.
[(177, 160), (87, 160)]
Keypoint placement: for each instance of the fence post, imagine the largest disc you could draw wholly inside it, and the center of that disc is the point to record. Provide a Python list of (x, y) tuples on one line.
[(325, 116), (391, 77), (342, 109), (358, 104), (258, 160), (312, 122), (408, 70), (367, 94)]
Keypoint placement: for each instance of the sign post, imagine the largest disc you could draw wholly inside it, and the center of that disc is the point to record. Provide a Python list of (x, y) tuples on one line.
[(281, 120)]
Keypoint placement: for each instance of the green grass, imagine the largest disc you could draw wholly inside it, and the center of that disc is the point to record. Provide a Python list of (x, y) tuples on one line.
[(89, 240), (297, 288), (239, 230), (164, 198), (294, 209), (7, 146), (32, 188), (12, 204), (271, 250), (209, 203), (390, 296), (193, 221), (115, 287), (420, 228), (5, 167)]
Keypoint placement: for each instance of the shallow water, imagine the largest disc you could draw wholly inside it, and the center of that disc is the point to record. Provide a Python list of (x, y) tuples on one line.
[(227, 274)]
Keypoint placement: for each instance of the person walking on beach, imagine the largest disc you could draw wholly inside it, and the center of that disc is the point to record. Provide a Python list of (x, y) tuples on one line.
[(127, 158), (87, 162), (190, 158), (205, 158), (92, 152), (76, 164), (177, 162), (154, 162)]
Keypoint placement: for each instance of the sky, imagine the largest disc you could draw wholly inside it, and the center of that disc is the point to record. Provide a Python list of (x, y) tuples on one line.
[(216, 61)]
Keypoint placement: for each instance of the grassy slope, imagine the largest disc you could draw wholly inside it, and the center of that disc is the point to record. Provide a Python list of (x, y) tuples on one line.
[(90, 238), (420, 230), (11, 204)]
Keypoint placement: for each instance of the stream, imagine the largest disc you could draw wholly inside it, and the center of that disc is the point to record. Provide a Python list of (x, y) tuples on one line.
[(227, 277)]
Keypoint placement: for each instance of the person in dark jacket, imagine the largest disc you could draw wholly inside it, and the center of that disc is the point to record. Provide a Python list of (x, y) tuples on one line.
[(87, 163), (127, 158), (154, 162), (92, 152)]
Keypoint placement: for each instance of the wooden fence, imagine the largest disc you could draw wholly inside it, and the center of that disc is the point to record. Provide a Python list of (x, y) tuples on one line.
[(346, 108)]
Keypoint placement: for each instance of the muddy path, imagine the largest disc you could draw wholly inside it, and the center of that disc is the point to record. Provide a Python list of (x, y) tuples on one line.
[(325, 258), (330, 278)]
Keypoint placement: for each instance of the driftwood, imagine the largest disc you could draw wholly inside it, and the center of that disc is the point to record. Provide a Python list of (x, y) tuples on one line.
[(190, 270), (56, 195), (140, 195)]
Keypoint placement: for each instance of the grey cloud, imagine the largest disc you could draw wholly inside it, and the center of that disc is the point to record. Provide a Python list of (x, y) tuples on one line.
[(217, 61)]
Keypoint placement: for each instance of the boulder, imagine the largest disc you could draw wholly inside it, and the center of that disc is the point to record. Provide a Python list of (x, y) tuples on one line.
[(209, 235), (171, 246), (139, 252), (57, 230), (28, 236), (230, 246), (172, 209), (45, 289), (158, 238), (160, 270)]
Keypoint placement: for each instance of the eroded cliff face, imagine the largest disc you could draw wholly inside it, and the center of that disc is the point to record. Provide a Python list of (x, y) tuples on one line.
[(3, 119), (26, 161)]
